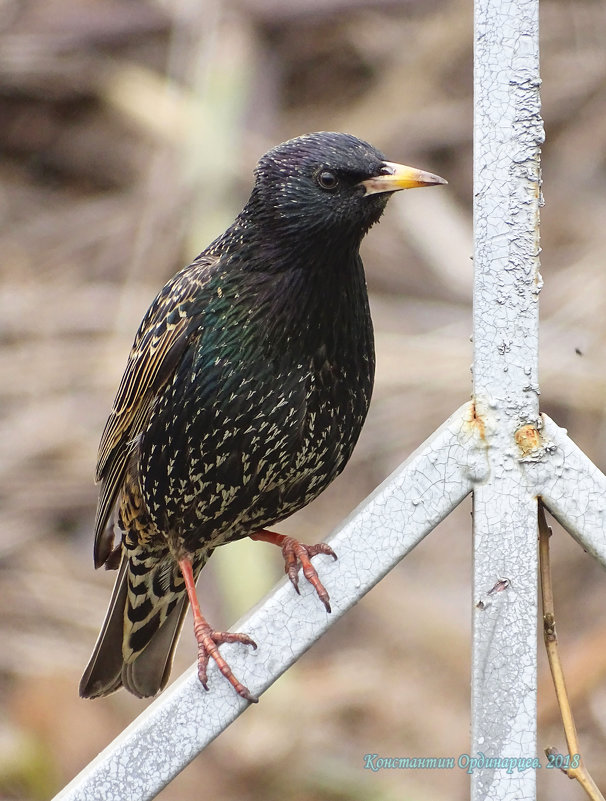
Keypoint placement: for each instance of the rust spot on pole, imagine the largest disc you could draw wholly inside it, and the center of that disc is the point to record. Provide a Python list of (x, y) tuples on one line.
[(528, 439), (476, 421)]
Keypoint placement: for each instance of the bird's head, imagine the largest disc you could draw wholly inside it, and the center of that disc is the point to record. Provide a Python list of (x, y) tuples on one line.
[(328, 183)]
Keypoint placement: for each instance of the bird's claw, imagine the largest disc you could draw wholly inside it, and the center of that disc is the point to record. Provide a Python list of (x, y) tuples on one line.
[(296, 555), (208, 641)]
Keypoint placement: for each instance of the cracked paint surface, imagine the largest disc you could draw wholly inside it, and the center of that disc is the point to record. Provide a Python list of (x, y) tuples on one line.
[(573, 489), (508, 133)]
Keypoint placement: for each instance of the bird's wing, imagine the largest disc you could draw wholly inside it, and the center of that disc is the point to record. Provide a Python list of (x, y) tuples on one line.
[(158, 347)]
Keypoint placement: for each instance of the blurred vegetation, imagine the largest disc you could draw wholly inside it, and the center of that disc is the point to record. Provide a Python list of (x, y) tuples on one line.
[(128, 133)]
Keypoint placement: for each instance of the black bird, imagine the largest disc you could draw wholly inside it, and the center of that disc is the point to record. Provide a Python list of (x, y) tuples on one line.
[(243, 396)]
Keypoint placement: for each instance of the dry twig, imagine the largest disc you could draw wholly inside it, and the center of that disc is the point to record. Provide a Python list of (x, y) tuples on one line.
[(573, 765)]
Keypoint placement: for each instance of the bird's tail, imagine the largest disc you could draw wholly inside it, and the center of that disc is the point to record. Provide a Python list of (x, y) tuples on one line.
[(136, 646)]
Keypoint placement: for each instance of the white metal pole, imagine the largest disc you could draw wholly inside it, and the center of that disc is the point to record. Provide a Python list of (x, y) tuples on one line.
[(507, 136)]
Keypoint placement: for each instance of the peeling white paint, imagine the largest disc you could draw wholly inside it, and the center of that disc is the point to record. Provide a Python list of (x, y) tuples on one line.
[(508, 133)]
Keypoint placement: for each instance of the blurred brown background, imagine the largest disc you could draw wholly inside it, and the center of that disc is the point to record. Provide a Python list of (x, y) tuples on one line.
[(128, 132)]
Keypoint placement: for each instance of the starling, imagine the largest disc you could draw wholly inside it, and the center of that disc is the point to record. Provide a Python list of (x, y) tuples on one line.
[(243, 396)]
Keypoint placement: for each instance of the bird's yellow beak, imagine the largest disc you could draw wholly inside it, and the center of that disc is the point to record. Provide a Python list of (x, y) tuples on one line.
[(399, 176)]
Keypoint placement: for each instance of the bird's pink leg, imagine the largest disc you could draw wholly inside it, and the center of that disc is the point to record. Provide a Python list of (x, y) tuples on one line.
[(298, 555), (208, 639)]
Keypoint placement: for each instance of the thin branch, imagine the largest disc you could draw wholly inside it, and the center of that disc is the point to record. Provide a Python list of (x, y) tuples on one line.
[(573, 766)]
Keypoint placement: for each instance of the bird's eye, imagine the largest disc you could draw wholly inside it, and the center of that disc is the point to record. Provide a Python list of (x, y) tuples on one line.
[(327, 180)]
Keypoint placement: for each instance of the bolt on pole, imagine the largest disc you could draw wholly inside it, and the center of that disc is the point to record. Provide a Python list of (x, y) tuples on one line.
[(508, 133)]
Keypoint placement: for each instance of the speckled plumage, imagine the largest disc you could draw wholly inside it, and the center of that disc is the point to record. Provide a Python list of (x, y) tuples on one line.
[(243, 397)]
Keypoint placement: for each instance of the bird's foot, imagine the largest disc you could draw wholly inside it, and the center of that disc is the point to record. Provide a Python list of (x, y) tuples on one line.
[(296, 555), (208, 641)]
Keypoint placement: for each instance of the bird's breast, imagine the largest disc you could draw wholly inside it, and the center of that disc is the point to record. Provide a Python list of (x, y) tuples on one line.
[(258, 420)]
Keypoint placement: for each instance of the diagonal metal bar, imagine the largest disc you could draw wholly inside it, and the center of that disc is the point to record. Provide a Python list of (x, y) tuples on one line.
[(572, 488), (395, 518), (507, 135)]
